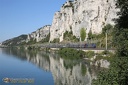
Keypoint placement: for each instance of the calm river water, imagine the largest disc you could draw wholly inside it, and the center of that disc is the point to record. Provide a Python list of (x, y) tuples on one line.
[(19, 67)]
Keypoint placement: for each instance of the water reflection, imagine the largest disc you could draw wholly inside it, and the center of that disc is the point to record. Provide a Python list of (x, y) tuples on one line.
[(64, 71)]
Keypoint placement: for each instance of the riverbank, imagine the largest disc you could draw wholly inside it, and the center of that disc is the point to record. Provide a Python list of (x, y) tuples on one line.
[(101, 59), (98, 58)]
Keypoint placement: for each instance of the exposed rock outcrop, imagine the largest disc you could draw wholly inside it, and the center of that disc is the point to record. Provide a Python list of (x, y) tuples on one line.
[(89, 14), (39, 34), (102, 63)]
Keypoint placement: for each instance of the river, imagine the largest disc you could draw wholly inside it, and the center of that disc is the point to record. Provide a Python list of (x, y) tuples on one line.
[(20, 67)]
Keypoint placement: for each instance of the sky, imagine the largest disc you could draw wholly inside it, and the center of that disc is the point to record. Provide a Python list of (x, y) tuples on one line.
[(25, 16)]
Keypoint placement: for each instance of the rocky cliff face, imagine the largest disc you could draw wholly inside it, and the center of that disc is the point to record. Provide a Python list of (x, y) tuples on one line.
[(89, 14), (39, 34)]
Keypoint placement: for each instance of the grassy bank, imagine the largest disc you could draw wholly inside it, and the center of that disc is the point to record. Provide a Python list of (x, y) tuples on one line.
[(69, 53)]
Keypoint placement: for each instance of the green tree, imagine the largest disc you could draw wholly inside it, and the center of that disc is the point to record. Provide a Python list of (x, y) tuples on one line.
[(108, 28), (118, 72), (90, 34), (121, 41), (122, 21), (82, 34), (121, 29), (115, 75)]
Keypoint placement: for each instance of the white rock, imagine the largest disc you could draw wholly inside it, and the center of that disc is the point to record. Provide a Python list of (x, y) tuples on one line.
[(39, 34), (102, 63), (89, 14)]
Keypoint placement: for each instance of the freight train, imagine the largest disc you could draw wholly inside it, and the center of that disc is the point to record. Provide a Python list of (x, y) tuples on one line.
[(86, 45)]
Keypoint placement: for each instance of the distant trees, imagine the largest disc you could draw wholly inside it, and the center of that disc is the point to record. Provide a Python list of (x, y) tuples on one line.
[(90, 35), (15, 41)]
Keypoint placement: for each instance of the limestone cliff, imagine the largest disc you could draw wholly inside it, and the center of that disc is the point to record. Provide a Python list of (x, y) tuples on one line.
[(89, 14), (39, 34)]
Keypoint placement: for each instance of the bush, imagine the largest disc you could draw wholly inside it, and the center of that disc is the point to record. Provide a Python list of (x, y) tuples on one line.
[(68, 36), (115, 75), (46, 39), (100, 39), (83, 70), (69, 53), (90, 54), (32, 41), (56, 40)]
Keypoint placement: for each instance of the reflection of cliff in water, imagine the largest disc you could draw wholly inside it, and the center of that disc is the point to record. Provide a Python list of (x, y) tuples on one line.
[(65, 72), (68, 76), (38, 58)]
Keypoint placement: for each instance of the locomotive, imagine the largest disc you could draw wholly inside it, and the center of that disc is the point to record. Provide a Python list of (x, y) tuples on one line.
[(90, 45)]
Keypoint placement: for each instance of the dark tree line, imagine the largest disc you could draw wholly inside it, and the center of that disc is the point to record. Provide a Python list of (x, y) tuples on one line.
[(121, 29), (117, 74)]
